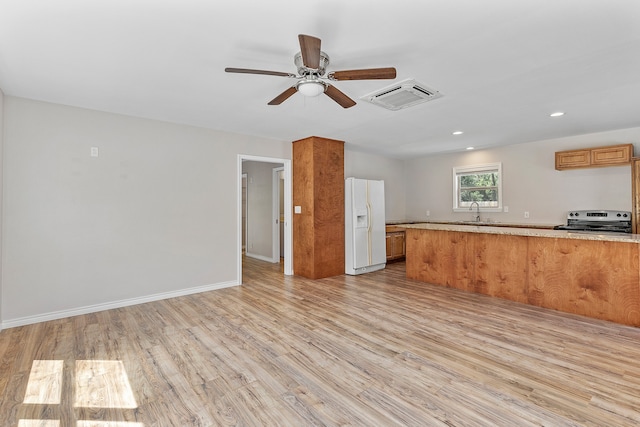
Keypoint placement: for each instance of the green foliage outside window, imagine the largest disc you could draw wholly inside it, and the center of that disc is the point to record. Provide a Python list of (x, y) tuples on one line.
[(481, 188)]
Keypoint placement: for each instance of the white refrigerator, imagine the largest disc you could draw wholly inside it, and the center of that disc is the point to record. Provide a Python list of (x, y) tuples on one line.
[(365, 243)]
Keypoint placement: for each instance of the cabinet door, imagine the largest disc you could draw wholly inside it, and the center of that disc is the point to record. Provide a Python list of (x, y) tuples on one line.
[(398, 244), (395, 245), (608, 156), (389, 243), (573, 159)]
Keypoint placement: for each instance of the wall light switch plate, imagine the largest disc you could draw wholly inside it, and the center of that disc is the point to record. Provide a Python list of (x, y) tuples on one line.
[(506, 209), (297, 209)]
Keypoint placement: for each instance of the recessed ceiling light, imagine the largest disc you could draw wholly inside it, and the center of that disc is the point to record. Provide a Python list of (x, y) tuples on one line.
[(469, 148), (556, 114), (458, 132)]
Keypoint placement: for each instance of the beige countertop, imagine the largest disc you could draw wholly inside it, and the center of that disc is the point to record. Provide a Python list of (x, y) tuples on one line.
[(530, 231), (491, 223)]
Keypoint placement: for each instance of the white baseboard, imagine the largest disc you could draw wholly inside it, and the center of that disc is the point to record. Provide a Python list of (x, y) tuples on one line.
[(261, 257), (12, 323)]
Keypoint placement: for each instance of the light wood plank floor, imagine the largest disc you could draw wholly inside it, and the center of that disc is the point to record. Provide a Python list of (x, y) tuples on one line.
[(374, 350)]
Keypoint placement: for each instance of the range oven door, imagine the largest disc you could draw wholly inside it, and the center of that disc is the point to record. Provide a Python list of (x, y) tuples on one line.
[(596, 228)]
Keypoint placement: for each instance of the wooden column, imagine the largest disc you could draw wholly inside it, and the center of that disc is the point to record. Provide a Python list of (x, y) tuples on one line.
[(318, 191)]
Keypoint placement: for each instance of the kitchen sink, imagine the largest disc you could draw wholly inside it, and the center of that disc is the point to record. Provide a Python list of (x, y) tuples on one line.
[(485, 223)]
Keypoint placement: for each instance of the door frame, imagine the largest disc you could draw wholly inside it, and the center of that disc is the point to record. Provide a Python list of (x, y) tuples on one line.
[(244, 220), (275, 220), (288, 231)]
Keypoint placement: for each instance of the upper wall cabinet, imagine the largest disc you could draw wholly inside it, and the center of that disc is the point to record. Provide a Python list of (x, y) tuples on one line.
[(612, 155)]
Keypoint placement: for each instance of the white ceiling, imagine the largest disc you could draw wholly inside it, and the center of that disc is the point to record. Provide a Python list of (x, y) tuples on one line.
[(502, 65)]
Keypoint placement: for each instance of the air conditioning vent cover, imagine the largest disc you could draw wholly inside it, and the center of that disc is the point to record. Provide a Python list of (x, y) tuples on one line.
[(404, 94)]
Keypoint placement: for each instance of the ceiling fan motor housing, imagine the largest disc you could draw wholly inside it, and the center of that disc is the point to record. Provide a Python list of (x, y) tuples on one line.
[(304, 71)]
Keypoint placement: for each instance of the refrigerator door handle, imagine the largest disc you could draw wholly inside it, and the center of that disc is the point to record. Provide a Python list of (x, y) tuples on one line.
[(369, 242)]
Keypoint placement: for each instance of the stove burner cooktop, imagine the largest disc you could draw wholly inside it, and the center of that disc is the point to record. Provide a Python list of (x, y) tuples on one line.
[(598, 221)]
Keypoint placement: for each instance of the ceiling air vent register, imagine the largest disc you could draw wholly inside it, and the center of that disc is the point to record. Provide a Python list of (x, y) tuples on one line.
[(404, 94)]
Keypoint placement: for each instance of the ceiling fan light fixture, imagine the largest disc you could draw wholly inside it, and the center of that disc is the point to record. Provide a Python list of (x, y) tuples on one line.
[(311, 87)]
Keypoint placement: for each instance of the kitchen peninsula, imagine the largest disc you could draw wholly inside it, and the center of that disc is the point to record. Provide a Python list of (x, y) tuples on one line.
[(594, 275)]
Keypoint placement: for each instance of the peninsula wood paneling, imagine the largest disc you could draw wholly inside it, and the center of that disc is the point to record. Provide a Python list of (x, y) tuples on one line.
[(440, 257), (318, 188), (597, 279), (500, 267), (590, 278)]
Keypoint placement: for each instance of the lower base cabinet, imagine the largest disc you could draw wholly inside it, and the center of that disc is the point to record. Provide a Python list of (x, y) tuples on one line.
[(395, 244)]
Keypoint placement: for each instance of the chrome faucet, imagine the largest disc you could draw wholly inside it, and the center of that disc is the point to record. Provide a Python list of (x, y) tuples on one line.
[(477, 210)]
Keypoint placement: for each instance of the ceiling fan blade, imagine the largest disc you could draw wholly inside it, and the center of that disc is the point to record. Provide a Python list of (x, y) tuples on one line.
[(342, 99), (283, 96), (366, 74), (250, 71), (310, 50)]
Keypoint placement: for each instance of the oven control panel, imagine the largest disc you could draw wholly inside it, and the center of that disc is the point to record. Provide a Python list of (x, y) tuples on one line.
[(600, 215)]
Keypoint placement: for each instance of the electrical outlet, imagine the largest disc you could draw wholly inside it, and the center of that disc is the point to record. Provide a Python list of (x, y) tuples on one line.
[(94, 152), (428, 213), (526, 214)]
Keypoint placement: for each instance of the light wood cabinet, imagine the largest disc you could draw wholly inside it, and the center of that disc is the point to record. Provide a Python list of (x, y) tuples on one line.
[(599, 279), (573, 159), (635, 195), (318, 193), (395, 245), (613, 155)]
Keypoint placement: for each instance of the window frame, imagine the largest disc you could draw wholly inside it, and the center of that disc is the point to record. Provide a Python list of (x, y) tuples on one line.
[(478, 169)]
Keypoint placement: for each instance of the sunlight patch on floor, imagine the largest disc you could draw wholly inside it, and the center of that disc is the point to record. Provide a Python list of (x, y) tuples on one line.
[(45, 383), (38, 423), (98, 384), (103, 384), (109, 424)]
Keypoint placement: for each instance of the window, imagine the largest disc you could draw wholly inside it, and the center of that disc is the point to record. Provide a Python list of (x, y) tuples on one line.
[(479, 183)]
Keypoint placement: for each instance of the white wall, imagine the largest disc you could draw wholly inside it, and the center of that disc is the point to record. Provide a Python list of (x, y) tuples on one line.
[(1, 173), (260, 208), (392, 171), (530, 181), (153, 215)]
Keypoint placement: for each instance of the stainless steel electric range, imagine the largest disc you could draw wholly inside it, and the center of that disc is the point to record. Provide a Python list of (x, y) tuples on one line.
[(598, 221)]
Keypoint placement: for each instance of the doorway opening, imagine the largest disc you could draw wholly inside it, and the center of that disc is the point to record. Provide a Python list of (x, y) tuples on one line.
[(267, 180)]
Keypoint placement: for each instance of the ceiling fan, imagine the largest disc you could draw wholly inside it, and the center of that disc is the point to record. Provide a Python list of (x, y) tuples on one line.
[(312, 64)]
